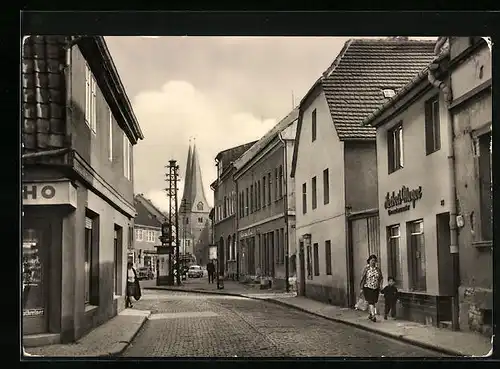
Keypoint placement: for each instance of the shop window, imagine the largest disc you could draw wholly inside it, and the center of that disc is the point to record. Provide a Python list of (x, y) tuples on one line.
[(313, 193), (91, 278), (33, 269), (393, 261), (432, 125), (326, 187), (395, 148), (316, 259), (328, 257), (304, 198), (117, 262), (416, 255), (483, 150), (313, 125)]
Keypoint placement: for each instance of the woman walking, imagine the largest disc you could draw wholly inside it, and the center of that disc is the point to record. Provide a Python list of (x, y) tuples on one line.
[(371, 283), (132, 282)]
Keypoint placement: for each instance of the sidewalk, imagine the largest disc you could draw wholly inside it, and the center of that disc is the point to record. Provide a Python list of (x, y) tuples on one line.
[(109, 339), (231, 288), (446, 341)]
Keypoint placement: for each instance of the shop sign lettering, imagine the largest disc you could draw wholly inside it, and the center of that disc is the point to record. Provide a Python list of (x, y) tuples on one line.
[(405, 197), (33, 312), (31, 192), (247, 233)]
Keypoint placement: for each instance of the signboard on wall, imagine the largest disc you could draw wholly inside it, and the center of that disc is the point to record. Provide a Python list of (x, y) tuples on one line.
[(49, 193), (400, 201), (247, 233)]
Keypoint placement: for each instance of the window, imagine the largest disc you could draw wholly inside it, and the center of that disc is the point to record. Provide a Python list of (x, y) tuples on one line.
[(280, 181), (432, 125), (90, 99), (110, 138), (393, 263), (328, 257), (246, 202), (118, 250), (313, 193), (126, 157), (251, 199), (395, 148), (91, 259), (304, 198), (269, 181), (241, 205), (138, 235), (276, 183), (225, 208), (257, 195), (150, 237), (264, 192), (200, 206), (200, 220), (259, 198), (88, 259), (483, 150), (416, 254), (233, 248), (313, 125), (316, 259), (308, 263), (326, 187)]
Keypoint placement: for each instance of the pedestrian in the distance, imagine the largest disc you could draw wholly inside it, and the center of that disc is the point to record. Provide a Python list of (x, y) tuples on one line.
[(211, 271), (132, 283), (371, 283), (390, 293)]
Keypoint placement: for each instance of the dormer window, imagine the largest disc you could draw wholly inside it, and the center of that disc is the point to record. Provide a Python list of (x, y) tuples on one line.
[(388, 93)]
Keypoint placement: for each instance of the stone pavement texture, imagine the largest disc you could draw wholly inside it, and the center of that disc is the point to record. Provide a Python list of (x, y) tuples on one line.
[(109, 339), (447, 341), (185, 324)]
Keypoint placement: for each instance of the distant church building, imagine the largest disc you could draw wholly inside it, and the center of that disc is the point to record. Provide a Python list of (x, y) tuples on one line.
[(194, 222)]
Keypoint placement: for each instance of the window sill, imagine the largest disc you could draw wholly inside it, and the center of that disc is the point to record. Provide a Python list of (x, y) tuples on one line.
[(90, 308), (482, 244)]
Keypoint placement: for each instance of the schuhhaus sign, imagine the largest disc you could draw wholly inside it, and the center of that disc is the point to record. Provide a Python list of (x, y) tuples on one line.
[(53, 193), (404, 196)]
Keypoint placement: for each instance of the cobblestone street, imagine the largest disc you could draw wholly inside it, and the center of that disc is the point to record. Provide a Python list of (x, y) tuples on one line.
[(184, 324)]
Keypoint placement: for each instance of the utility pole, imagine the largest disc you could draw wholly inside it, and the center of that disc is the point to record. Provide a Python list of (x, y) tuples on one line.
[(173, 216)]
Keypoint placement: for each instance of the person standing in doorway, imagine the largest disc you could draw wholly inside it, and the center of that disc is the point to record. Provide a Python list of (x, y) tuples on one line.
[(131, 284), (371, 283), (211, 271)]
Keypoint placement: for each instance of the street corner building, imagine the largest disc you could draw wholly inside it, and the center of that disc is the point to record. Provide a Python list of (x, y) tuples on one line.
[(265, 218), (434, 188), (147, 229), (225, 203), (194, 221), (77, 187), (335, 164)]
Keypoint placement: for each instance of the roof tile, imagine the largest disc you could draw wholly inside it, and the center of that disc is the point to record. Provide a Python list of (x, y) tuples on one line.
[(353, 88)]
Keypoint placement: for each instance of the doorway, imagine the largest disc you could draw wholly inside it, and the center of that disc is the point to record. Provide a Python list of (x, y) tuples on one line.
[(302, 269), (35, 273)]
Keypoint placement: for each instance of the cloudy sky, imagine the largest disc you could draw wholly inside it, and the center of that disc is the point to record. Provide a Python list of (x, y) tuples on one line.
[(224, 91)]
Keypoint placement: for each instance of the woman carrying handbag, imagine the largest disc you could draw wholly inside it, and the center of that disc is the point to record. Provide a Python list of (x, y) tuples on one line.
[(133, 286)]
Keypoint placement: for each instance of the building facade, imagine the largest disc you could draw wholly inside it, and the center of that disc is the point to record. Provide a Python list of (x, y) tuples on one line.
[(147, 231), (334, 164), (264, 214), (78, 209), (470, 81), (194, 223), (224, 221)]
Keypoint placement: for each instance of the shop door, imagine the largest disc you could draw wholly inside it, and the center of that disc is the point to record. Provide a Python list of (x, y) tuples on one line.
[(36, 236)]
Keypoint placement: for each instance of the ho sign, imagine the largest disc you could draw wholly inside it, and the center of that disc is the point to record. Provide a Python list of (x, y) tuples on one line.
[(32, 192)]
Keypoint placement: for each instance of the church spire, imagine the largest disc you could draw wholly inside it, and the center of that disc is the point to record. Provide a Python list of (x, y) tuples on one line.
[(194, 193)]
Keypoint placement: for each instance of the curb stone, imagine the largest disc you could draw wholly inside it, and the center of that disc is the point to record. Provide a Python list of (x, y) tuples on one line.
[(376, 331), (121, 346)]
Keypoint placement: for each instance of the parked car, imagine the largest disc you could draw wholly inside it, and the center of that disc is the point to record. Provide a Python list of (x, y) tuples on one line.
[(195, 271), (144, 273)]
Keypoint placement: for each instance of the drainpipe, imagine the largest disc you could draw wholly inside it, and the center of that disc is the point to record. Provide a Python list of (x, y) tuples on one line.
[(237, 220), (285, 207), (446, 88)]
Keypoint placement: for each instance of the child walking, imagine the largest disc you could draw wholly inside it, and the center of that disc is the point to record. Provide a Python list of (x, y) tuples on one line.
[(391, 297)]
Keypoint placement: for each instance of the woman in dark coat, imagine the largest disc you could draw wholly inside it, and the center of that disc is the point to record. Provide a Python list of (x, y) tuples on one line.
[(371, 283)]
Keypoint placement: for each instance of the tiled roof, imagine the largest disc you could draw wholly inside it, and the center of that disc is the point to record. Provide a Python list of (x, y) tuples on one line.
[(43, 93), (150, 207), (353, 84), (144, 216)]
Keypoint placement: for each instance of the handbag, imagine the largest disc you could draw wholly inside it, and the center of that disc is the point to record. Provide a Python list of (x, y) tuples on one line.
[(362, 304)]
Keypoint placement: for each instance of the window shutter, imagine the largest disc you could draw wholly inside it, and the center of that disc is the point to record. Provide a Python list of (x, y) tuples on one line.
[(429, 128), (390, 151)]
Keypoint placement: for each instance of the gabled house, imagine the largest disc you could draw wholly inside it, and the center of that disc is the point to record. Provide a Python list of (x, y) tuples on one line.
[(78, 133), (335, 163), (266, 211), (224, 221)]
